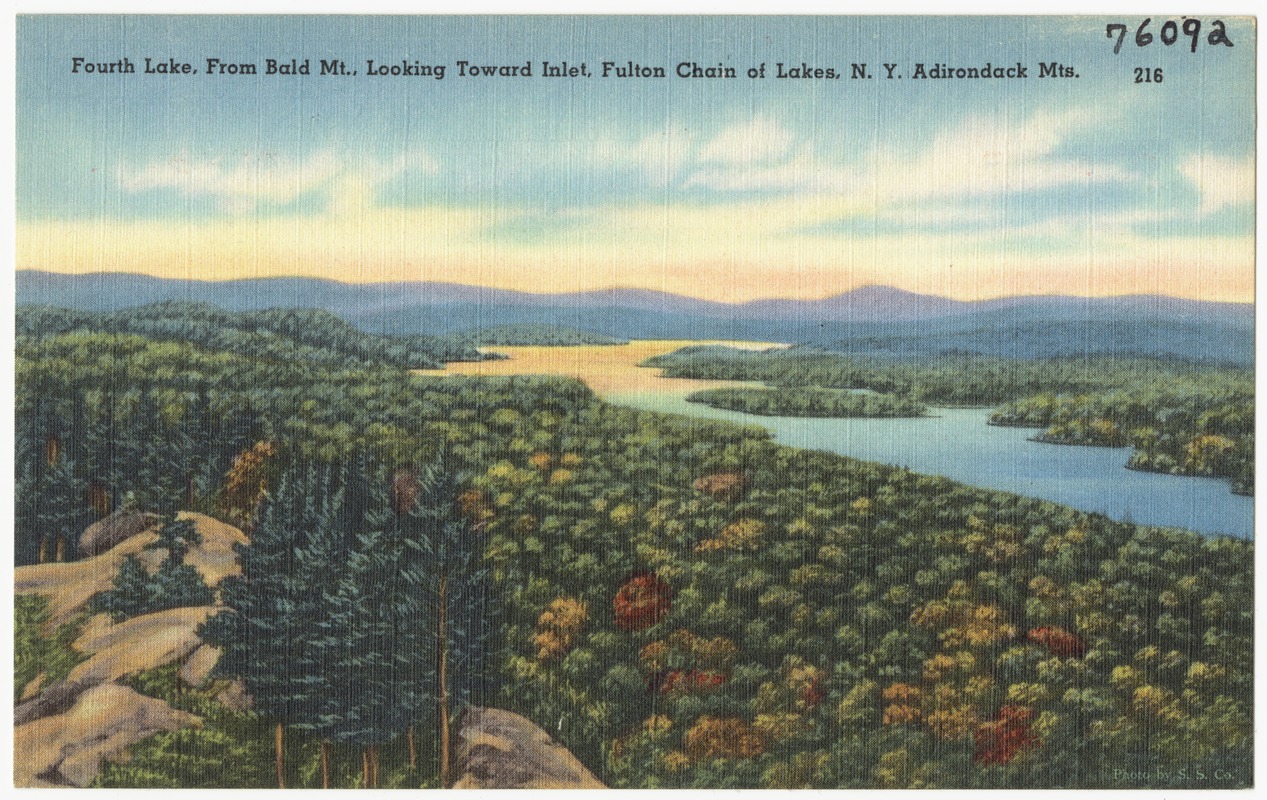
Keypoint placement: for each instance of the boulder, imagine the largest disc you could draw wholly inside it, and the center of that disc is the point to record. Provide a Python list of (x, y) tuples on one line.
[(235, 697), (499, 749), (32, 688), (137, 644), (67, 748), (123, 524), (49, 702)]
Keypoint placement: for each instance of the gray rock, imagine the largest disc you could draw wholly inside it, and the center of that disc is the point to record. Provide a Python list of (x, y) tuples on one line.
[(499, 749), (235, 698), (100, 536), (67, 748)]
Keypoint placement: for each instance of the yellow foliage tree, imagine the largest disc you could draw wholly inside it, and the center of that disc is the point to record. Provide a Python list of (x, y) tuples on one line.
[(558, 627)]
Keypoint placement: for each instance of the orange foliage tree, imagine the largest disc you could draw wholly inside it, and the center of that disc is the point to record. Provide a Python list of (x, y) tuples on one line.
[(722, 737), (1058, 641), (246, 482), (727, 487)]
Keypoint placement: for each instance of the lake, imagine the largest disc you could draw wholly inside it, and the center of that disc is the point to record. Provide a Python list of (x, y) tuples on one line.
[(952, 442)]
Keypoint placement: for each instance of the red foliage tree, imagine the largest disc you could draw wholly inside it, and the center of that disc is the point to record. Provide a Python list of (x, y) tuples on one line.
[(643, 601), (998, 741), (1059, 641), (813, 693)]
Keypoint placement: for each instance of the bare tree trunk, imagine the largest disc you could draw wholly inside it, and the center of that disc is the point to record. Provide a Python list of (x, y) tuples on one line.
[(413, 750), (325, 764), (43, 549), (442, 679), (61, 548), (365, 768), (278, 742), (374, 766)]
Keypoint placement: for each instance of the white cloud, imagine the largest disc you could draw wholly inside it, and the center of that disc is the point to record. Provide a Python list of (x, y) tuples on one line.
[(1222, 181), (982, 155), (988, 156), (758, 141), (260, 179), (799, 171)]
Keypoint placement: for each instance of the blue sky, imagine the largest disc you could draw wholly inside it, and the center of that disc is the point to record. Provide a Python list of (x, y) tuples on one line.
[(728, 189)]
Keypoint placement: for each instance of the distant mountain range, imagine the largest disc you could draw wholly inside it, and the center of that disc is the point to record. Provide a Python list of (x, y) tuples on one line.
[(870, 319)]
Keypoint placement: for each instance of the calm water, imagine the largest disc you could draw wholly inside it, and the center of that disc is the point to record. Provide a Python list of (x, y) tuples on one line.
[(958, 444)]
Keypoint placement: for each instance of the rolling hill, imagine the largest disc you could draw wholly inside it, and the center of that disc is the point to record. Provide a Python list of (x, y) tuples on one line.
[(874, 320)]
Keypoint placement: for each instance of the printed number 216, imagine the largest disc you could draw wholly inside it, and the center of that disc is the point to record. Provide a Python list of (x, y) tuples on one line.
[(1148, 75)]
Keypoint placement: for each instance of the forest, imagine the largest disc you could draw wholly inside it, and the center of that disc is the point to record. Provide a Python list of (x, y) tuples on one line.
[(532, 334), (805, 401), (1181, 418), (682, 603), (305, 334)]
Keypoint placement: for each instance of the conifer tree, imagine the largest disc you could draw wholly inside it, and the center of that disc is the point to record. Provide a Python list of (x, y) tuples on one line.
[(271, 631), (463, 622)]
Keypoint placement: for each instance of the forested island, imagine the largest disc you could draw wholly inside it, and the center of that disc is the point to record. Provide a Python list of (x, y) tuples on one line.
[(681, 603), (1181, 418), (809, 402), (530, 334)]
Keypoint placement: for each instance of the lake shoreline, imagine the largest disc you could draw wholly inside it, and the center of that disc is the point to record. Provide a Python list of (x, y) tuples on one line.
[(958, 443)]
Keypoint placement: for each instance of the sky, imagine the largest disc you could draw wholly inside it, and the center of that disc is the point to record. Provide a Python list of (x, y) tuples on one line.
[(726, 189)]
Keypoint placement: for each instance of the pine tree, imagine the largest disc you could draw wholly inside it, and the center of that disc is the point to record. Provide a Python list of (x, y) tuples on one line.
[(461, 611), (355, 617), (272, 629), (376, 650), (130, 594)]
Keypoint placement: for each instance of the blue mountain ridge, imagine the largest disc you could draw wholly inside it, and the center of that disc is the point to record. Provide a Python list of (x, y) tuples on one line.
[(877, 320)]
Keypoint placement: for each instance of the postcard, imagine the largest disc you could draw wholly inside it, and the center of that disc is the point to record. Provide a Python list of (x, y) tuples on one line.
[(652, 402)]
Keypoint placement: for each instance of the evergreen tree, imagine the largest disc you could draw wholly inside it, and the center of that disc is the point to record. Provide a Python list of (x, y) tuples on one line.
[(130, 594), (461, 612), (276, 630), (174, 584), (176, 536), (379, 642)]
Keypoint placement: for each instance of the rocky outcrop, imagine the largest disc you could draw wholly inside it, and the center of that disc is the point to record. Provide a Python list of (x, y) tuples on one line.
[(100, 536), (67, 749), (197, 668), (63, 731), (69, 586), (137, 644), (116, 651), (499, 749), (214, 557)]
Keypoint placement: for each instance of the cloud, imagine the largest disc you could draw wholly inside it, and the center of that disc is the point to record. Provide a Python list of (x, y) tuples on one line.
[(758, 141), (1221, 180), (658, 157), (984, 155), (261, 180), (980, 156)]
